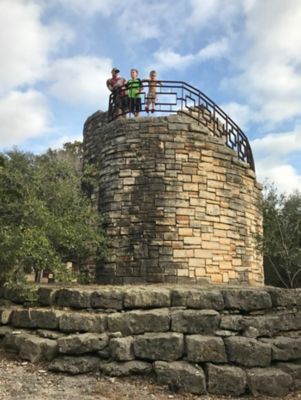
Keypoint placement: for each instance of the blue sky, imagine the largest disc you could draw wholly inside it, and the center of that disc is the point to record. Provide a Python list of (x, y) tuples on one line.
[(244, 54)]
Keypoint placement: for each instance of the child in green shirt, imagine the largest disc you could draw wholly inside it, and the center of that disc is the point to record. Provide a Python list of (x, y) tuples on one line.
[(134, 86)]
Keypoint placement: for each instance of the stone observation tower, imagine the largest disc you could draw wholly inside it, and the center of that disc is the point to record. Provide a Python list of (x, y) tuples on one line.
[(177, 192)]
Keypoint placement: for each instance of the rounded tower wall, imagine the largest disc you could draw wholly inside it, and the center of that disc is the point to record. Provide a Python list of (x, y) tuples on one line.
[(178, 206)]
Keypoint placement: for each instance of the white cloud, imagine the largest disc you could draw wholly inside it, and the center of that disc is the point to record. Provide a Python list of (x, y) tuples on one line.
[(203, 12), (241, 114), (23, 115), (272, 158), (169, 59), (279, 144), (270, 60), (285, 176), (80, 80), (213, 50), (89, 8), (25, 43)]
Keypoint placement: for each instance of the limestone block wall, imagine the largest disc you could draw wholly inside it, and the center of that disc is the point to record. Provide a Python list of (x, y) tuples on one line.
[(178, 205), (227, 341)]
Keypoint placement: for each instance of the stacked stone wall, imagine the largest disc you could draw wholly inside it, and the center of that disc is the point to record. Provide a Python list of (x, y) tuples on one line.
[(178, 205), (226, 341)]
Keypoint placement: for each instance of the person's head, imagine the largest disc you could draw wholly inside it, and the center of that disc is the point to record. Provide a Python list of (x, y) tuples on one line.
[(153, 75), (134, 73), (115, 71)]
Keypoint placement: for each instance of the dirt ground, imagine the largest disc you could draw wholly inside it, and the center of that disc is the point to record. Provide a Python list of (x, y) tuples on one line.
[(23, 381)]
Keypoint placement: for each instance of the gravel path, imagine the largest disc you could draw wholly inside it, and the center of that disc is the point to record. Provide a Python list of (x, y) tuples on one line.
[(24, 381)]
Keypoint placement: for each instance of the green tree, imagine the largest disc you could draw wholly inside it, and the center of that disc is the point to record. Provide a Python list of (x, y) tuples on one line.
[(281, 241), (45, 220)]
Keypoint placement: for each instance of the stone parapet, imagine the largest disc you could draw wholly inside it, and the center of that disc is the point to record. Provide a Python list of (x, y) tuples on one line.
[(178, 206), (190, 338)]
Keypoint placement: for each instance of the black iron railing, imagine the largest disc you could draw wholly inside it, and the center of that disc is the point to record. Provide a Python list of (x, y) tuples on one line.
[(180, 97)]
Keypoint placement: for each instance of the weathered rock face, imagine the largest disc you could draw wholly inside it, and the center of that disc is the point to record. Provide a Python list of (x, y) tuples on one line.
[(178, 206), (228, 341)]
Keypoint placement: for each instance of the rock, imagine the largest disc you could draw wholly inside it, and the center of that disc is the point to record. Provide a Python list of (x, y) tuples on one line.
[(285, 348), (135, 322), (248, 352), (269, 382), (195, 321), (159, 346), (35, 318), (226, 380), (283, 297), (12, 341), (205, 349), (73, 298), (107, 298), (13, 295), (126, 368), (5, 330), (21, 319), (75, 365), (83, 322), (35, 349), (294, 370), (5, 314), (54, 335), (147, 298), (232, 322), (181, 375), (197, 298), (247, 299), (82, 343), (122, 349), (47, 296), (251, 332), (45, 319)]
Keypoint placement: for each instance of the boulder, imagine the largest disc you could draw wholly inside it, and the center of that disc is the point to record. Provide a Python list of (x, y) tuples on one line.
[(73, 298), (35, 349), (181, 375), (285, 348), (195, 321), (147, 298), (248, 352), (122, 349), (35, 318), (197, 298), (46, 296), (247, 299), (159, 346), (139, 321), (75, 365), (269, 382), (201, 348), (5, 314), (83, 322), (107, 299), (126, 368), (294, 370), (226, 380), (82, 343)]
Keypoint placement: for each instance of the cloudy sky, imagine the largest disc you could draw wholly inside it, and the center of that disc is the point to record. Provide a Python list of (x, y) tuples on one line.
[(244, 54)]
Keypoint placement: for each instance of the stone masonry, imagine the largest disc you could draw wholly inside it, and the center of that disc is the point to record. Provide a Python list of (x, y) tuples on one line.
[(216, 339), (178, 205)]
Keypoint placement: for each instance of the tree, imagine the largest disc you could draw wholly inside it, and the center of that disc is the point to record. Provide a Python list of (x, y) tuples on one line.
[(281, 242), (45, 219)]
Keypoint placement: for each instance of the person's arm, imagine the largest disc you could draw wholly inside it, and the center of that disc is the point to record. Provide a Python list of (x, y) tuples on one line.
[(109, 85)]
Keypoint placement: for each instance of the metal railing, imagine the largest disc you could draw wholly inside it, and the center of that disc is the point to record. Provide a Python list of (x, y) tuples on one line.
[(182, 98)]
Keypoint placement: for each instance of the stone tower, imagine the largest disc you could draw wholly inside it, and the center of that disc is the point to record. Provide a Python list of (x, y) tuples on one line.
[(178, 204)]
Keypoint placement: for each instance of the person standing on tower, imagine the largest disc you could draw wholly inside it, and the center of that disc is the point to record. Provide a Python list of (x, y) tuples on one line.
[(134, 88), (116, 85)]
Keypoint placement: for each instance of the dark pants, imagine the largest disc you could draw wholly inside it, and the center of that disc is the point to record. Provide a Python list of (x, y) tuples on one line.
[(135, 104)]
